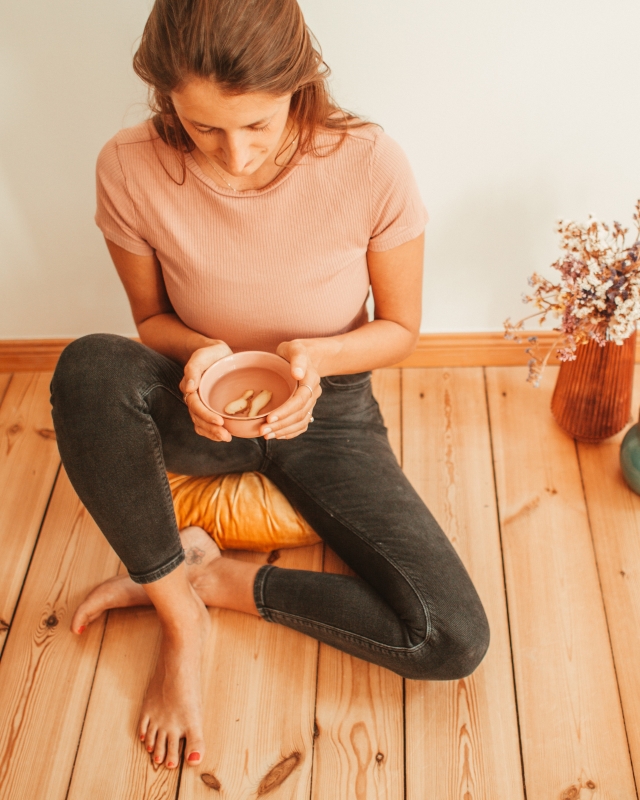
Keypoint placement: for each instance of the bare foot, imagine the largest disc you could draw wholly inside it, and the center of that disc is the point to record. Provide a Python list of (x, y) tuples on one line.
[(172, 708), (118, 592), (219, 582), (122, 592)]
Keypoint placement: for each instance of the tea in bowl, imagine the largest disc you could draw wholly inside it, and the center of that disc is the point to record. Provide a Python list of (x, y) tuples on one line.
[(245, 387)]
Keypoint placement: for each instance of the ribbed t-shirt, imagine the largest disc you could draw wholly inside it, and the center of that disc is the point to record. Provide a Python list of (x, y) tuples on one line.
[(262, 266)]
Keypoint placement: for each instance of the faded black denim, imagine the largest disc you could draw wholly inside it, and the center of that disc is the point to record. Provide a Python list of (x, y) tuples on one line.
[(121, 422)]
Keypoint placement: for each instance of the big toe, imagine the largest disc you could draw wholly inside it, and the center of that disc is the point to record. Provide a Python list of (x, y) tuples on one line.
[(84, 614), (194, 749)]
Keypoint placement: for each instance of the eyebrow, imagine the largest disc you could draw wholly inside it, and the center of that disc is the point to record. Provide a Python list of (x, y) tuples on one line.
[(213, 127)]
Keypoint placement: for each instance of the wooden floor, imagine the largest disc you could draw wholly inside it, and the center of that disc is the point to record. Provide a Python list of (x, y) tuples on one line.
[(547, 529)]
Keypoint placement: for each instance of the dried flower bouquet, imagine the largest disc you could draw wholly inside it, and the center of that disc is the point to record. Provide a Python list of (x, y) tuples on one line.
[(598, 294)]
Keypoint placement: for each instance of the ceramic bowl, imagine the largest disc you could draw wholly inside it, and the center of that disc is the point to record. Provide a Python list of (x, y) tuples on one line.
[(230, 377)]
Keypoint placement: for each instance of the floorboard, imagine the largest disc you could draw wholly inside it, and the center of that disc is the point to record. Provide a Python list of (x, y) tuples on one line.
[(28, 464), (461, 736), (572, 731), (570, 534), (46, 672), (614, 513), (359, 749)]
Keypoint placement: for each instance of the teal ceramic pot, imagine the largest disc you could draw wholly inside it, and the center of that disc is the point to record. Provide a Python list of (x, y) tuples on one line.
[(630, 457)]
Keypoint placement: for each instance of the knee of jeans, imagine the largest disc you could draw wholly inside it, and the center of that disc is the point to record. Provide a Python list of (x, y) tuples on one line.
[(455, 650), (86, 369)]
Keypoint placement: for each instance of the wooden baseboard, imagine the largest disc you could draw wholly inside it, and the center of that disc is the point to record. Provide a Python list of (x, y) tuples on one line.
[(488, 349), (433, 350)]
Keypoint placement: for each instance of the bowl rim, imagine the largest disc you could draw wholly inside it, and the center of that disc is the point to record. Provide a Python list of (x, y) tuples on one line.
[(230, 356)]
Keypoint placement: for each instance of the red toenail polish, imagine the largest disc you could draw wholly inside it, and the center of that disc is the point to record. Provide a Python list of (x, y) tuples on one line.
[(81, 628), (194, 757), (150, 749), (142, 738), (171, 764)]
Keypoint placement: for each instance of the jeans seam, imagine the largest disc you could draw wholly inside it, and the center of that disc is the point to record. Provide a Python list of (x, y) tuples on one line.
[(427, 614), (258, 591), (354, 637), (176, 560), (157, 385), (160, 572)]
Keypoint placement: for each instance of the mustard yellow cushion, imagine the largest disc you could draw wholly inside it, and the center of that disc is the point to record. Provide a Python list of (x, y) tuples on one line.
[(241, 511)]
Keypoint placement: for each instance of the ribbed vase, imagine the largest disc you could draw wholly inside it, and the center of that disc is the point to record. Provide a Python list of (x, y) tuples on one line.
[(592, 398)]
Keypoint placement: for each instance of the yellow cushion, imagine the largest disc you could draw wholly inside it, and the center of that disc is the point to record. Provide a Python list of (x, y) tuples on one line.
[(240, 511)]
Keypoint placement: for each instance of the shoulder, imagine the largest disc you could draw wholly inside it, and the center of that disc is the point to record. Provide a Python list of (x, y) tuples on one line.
[(130, 141), (143, 134), (136, 153), (365, 143)]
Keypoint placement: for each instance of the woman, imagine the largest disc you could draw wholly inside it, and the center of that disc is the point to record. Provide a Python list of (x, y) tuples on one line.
[(253, 213)]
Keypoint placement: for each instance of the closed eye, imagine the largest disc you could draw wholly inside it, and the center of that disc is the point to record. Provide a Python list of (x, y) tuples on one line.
[(211, 131)]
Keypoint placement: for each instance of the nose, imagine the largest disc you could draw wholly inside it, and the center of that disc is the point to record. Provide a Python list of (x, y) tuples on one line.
[(237, 153)]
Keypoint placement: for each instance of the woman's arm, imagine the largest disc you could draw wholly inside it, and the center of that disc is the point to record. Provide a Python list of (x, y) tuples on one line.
[(157, 323), (161, 330), (396, 282)]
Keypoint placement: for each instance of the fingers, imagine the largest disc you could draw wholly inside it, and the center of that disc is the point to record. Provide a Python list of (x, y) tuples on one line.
[(292, 417), (291, 430), (206, 422), (201, 359)]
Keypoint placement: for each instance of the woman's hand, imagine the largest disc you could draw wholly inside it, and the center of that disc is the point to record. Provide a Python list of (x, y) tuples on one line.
[(206, 423), (293, 417)]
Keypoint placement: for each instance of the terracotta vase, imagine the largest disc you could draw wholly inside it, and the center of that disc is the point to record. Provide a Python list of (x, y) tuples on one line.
[(592, 398)]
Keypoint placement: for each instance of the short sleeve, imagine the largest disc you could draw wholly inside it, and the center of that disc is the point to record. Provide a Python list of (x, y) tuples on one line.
[(398, 213), (116, 214)]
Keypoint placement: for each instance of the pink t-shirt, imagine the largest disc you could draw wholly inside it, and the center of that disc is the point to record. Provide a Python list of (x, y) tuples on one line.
[(263, 266)]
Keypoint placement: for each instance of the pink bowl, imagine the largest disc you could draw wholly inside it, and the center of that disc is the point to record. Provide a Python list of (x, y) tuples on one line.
[(229, 378)]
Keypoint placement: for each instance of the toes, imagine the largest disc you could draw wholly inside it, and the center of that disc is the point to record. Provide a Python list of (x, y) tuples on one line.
[(160, 750), (150, 738), (195, 748), (80, 620), (173, 751)]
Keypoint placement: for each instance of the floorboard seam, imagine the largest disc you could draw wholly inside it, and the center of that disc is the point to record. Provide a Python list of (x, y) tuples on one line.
[(86, 710), (26, 572), (606, 616), (504, 575), (315, 699), (6, 388)]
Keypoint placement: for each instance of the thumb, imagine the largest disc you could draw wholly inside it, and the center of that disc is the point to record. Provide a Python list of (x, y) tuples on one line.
[(299, 363), (200, 360)]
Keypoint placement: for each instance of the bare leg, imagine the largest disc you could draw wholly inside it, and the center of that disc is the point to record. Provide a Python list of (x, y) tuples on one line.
[(172, 708)]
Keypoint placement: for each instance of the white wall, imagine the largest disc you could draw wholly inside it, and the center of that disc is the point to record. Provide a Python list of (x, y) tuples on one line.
[(513, 114)]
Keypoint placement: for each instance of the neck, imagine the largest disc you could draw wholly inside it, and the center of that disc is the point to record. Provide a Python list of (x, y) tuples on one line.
[(262, 177)]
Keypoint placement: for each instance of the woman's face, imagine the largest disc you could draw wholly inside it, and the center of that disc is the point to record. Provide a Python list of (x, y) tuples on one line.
[(239, 132)]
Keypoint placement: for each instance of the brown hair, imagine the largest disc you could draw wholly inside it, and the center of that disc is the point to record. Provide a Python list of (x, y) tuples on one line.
[(245, 46)]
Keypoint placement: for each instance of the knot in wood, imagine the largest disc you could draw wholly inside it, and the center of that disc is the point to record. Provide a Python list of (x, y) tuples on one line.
[(47, 433), (210, 780), (591, 785), (51, 621), (278, 774), (274, 555), (379, 757)]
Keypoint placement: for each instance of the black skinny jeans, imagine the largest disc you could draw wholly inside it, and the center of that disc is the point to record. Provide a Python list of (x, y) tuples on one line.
[(121, 422)]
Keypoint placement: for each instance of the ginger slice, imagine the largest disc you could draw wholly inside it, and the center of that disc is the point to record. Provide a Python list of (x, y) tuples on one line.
[(240, 404), (259, 402)]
